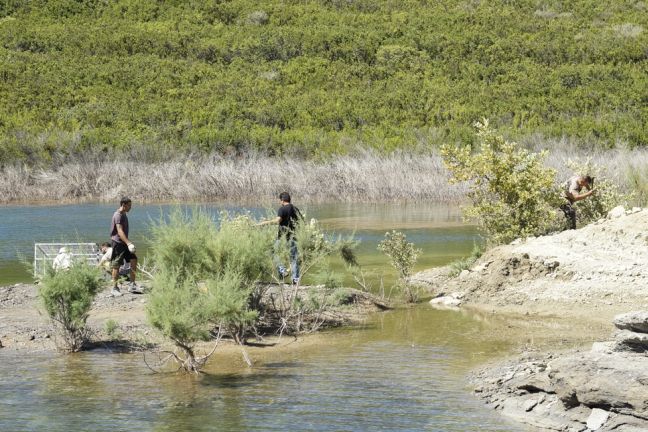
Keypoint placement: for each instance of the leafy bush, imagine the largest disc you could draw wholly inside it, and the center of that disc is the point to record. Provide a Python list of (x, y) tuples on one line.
[(512, 193), (67, 297), (606, 197), (402, 254), (158, 78), (465, 263), (205, 277)]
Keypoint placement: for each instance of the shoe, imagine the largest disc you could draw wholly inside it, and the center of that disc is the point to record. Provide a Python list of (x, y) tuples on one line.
[(133, 288), (295, 281), (115, 292)]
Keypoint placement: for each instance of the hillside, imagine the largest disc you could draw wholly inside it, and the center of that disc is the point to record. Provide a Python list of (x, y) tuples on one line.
[(314, 78)]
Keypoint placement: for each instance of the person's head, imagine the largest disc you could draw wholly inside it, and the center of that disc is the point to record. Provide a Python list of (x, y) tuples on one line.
[(104, 246), (125, 203), (284, 197), (63, 250), (587, 181)]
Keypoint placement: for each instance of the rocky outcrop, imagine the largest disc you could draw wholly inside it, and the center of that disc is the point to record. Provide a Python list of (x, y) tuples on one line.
[(603, 389)]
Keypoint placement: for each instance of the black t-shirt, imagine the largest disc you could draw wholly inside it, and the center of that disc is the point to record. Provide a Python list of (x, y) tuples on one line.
[(289, 214)]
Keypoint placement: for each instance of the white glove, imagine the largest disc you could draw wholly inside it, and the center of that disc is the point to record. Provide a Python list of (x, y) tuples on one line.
[(131, 247)]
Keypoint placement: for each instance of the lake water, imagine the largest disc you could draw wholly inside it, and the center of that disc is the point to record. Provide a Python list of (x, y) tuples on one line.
[(437, 230), (404, 370)]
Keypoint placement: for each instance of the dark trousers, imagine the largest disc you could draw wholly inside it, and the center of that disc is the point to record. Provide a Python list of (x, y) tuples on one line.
[(570, 214)]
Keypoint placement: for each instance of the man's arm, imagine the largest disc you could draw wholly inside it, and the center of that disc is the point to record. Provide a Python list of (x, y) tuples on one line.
[(270, 221), (578, 197), (122, 234)]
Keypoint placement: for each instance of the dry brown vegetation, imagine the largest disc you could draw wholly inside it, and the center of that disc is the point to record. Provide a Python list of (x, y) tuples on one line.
[(364, 177)]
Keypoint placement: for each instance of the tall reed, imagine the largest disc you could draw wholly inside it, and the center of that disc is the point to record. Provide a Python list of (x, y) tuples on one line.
[(366, 176)]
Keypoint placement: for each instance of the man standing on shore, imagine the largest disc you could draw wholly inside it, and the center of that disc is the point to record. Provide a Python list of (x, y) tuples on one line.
[(572, 193), (122, 248), (287, 216)]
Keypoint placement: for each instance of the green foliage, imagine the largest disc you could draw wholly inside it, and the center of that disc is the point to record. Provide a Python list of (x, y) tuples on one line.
[(512, 194), (67, 297), (605, 198), (155, 78), (401, 253), (111, 327), (315, 247), (465, 263), (638, 180), (205, 277)]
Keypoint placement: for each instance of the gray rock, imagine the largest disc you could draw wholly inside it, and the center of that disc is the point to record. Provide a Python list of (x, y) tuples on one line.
[(616, 212), (616, 380), (597, 419), (635, 321), (627, 340), (530, 404), (445, 301)]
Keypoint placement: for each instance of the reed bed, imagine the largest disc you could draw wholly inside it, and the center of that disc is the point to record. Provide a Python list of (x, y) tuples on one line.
[(364, 177)]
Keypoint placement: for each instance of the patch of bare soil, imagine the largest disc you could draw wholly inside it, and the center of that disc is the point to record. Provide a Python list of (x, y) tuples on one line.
[(585, 275), (596, 272), (25, 326)]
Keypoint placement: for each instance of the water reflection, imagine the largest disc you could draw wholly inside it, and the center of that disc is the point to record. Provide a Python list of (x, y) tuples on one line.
[(402, 371)]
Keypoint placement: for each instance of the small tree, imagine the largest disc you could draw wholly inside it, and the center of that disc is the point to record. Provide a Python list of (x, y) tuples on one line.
[(512, 193), (205, 277), (186, 311), (403, 256), (67, 297), (315, 249)]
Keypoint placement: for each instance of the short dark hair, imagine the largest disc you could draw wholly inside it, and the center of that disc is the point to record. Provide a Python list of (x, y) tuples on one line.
[(284, 196), (105, 244), (124, 200), (589, 180)]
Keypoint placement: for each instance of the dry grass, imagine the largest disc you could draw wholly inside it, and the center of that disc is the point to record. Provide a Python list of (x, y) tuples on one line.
[(367, 177)]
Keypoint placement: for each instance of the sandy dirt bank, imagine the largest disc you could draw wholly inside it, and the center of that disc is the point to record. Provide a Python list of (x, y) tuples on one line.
[(592, 274)]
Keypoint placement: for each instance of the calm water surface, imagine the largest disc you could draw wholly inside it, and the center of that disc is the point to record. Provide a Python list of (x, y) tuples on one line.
[(436, 229), (403, 370)]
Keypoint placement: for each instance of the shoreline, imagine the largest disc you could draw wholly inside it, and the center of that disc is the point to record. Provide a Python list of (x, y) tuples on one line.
[(592, 278)]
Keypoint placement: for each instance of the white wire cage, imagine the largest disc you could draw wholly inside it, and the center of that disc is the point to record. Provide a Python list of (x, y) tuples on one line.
[(45, 254)]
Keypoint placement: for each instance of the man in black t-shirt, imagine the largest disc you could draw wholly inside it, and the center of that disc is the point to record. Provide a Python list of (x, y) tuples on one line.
[(287, 216)]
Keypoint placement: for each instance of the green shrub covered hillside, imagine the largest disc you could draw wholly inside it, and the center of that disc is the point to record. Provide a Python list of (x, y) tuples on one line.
[(313, 78)]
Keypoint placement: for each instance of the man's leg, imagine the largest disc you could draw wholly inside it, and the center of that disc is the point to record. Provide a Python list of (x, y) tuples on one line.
[(294, 263), (276, 260), (133, 269), (570, 214)]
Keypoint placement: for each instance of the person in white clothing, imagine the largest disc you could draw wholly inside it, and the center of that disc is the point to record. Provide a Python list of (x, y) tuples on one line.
[(63, 260)]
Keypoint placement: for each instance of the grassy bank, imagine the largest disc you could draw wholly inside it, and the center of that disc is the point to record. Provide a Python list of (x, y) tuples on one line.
[(369, 177)]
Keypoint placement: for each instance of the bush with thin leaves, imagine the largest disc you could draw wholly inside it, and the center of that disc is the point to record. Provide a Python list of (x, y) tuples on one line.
[(186, 310), (513, 195), (315, 250), (67, 297), (402, 255), (205, 277)]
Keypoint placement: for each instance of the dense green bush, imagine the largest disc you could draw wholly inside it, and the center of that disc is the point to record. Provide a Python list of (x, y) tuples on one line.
[(67, 297), (313, 78), (205, 278), (607, 195), (513, 195)]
